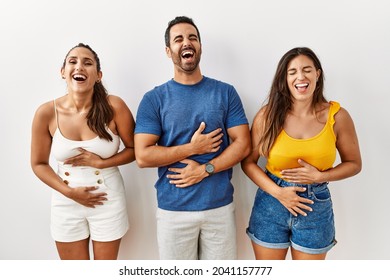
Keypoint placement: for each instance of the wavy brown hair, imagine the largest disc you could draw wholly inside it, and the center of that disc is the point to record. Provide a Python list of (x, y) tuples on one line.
[(280, 101), (101, 112)]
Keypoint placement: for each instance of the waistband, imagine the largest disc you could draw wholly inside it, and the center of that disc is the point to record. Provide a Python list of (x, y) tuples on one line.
[(84, 171), (283, 183), (75, 176)]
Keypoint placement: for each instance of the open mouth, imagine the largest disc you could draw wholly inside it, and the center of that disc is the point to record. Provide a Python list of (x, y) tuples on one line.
[(301, 86), (187, 54), (79, 77)]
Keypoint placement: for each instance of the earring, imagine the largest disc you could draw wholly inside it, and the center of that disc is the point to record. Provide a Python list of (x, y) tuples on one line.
[(98, 81)]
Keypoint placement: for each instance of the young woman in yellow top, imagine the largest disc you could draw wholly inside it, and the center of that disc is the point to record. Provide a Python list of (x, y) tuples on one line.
[(299, 132)]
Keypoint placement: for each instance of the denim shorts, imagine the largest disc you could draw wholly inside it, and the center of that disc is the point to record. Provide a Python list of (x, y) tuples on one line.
[(271, 225)]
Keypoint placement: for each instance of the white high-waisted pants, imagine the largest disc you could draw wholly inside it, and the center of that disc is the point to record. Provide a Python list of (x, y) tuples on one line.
[(71, 221)]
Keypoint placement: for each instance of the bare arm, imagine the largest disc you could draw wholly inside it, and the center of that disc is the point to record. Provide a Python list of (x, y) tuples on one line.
[(124, 125), (149, 154), (348, 147), (287, 196), (236, 151), (41, 140)]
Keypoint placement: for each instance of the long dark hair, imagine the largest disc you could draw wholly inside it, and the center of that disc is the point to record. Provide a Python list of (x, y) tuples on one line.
[(101, 112), (279, 100)]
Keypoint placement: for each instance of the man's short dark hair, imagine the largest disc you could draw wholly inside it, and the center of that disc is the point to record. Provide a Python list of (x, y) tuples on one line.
[(177, 20)]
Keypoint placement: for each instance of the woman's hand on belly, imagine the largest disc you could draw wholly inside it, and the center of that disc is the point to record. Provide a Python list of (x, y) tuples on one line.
[(85, 158), (294, 203), (85, 196), (306, 174)]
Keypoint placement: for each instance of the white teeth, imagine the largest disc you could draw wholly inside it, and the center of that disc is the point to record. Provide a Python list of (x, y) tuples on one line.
[(301, 85), (79, 77), (186, 53)]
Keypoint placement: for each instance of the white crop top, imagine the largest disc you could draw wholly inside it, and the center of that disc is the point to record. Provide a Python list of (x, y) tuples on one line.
[(64, 148)]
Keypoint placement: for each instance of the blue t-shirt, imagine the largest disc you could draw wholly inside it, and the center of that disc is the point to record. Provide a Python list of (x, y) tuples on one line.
[(174, 112)]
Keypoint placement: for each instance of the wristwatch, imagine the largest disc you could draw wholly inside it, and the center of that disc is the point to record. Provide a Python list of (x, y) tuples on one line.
[(209, 168)]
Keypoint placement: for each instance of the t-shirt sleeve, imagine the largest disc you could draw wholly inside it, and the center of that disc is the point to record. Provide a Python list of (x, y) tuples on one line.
[(148, 119), (236, 113)]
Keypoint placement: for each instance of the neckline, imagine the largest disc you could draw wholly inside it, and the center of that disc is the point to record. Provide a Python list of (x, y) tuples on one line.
[(306, 139), (58, 131), (71, 140), (318, 134), (189, 85)]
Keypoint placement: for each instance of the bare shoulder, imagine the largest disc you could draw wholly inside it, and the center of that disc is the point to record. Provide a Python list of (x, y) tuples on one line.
[(342, 116), (260, 116), (45, 110), (343, 122), (44, 119), (117, 102), (121, 111), (258, 125)]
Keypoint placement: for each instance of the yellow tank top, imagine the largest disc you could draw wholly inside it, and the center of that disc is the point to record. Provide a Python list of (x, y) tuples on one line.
[(319, 151)]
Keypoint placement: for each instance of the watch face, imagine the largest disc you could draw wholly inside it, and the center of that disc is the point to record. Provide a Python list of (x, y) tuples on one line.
[(209, 168)]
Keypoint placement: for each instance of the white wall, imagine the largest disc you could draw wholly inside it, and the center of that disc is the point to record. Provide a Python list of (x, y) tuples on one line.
[(242, 43)]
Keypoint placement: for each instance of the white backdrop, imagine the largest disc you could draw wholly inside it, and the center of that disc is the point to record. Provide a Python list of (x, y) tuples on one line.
[(242, 43)]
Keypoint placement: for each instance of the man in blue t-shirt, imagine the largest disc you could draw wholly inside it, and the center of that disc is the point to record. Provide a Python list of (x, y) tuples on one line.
[(194, 129)]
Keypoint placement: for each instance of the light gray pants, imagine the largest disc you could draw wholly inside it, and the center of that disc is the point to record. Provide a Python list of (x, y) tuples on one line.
[(192, 235)]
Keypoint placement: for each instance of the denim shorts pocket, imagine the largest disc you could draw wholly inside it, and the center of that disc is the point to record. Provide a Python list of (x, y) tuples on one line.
[(260, 193), (321, 194)]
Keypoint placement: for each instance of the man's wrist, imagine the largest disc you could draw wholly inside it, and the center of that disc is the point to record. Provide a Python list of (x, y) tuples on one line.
[(209, 168)]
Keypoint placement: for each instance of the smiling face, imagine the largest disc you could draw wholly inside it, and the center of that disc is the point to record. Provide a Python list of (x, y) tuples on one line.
[(185, 49), (80, 70), (302, 77)]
